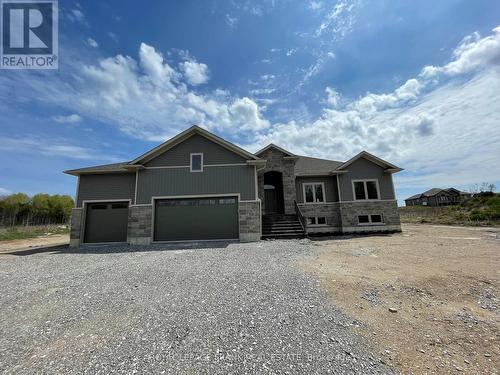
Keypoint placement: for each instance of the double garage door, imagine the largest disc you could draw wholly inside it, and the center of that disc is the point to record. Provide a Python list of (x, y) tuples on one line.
[(189, 219), (213, 218)]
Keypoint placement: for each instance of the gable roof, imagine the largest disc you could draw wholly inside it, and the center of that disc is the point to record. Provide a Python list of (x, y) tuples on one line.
[(179, 138), (364, 154), (272, 145), (307, 166)]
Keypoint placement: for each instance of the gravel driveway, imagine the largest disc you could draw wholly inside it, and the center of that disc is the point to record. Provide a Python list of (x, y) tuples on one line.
[(237, 308)]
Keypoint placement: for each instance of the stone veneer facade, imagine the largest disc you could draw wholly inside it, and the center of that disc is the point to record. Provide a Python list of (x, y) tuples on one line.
[(76, 227), (342, 217), (349, 212), (250, 221), (278, 162), (139, 229), (329, 210)]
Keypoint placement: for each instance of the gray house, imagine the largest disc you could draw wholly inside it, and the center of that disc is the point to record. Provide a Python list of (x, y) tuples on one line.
[(437, 197), (198, 186)]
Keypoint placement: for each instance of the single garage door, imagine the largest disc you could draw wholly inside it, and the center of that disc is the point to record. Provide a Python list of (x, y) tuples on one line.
[(106, 222), (196, 219)]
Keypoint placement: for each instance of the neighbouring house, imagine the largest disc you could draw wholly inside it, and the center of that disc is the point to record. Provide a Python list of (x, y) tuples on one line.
[(198, 186), (437, 197)]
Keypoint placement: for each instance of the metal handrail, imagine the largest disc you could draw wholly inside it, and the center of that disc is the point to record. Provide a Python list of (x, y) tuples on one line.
[(301, 217)]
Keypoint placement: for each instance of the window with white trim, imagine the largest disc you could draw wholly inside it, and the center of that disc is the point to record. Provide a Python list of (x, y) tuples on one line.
[(370, 219), (196, 164), (365, 190), (314, 192)]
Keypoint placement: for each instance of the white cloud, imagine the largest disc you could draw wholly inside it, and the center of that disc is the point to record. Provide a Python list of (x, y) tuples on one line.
[(471, 54), (77, 16), (154, 66), (317, 67), (4, 191), (50, 147), (315, 5), (265, 91), (195, 73), (333, 97), (247, 115), (232, 22), (340, 20), (70, 119), (112, 35), (92, 43), (144, 98)]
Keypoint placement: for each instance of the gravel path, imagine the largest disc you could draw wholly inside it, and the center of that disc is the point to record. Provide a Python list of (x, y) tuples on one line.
[(240, 308)]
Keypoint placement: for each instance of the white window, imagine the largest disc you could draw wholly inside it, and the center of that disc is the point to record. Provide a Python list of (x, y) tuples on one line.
[(314, 192), (316, 220), (365, 190), (370, 219), (196, 164)]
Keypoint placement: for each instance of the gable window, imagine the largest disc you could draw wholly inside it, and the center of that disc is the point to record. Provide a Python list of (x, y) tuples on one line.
[(365, 189), (314, 192), (196, 163), (369, 219)]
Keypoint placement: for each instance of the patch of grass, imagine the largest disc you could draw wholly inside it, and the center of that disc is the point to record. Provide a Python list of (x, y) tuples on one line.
[(22, 232)]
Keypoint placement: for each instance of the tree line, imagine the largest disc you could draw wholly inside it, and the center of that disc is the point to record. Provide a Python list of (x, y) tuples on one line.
[(40, 209)]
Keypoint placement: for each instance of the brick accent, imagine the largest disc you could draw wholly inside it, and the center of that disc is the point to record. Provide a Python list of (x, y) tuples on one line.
[(331, 211), (76, 227), (277, 162), (139, 225), (349, 212), (250, 221)]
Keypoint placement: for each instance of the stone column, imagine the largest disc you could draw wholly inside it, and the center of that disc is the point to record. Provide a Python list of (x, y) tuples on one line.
[(76, 227), (139, 225), (250, 221)]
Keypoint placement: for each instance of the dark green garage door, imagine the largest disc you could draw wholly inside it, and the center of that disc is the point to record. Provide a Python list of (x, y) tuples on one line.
[(106, 222), (196, 219)]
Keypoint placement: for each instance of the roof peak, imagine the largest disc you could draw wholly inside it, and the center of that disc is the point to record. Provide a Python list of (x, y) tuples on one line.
[(272, 145)]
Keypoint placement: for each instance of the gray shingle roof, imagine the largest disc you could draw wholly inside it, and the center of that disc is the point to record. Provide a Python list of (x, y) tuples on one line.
[(413, 197), (115, 167), (432, 192), (307, 166)]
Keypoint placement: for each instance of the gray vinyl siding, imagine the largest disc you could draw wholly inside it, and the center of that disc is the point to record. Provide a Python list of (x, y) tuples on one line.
[(180, 181), (331, 192), (212, 153), (106, 186), (363, 169)]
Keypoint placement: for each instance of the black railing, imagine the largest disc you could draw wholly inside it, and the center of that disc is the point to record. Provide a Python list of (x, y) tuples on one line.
[(301, 217)]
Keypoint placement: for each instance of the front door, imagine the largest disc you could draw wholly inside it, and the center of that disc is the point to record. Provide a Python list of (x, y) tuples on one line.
[(273, 193), (271, 198)]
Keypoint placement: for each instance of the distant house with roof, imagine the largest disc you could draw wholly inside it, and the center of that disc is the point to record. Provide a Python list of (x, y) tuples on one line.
[(437, 197)]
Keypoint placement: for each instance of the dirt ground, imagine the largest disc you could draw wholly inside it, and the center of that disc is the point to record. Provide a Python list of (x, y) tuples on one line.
[(31, 243), (443, 283)]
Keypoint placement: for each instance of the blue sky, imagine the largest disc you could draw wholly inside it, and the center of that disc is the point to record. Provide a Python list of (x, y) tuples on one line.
[(416, 83)]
